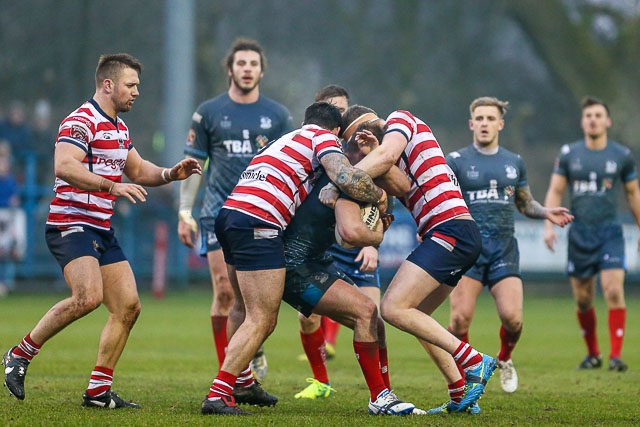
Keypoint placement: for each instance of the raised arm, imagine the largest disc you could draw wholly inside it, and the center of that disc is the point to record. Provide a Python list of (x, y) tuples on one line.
[(379, 161), (529, 207), (352, 181), (143, 172)]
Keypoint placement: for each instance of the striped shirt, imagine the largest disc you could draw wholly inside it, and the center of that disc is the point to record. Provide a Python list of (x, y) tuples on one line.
[(434, 196), (106, 143), (279, 178)]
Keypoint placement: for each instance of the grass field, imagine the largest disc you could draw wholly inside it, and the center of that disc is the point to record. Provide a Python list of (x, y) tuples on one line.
[(170, 362)]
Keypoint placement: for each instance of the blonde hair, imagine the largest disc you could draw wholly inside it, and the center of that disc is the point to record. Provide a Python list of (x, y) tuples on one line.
[(490, 101)]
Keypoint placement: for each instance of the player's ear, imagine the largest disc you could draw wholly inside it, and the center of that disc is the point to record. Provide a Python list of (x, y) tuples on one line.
[(336, 131)]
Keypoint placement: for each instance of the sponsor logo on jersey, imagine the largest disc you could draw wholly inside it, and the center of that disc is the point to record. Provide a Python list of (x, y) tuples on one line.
[(265, 122), (261, 141), (78, 132), (254, 175), (225, 123), (472, 173)]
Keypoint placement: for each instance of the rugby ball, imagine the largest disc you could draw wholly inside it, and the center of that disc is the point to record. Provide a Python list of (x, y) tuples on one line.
[(369, 214)]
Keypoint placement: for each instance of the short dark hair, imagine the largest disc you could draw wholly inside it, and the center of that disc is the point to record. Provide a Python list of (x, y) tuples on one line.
[(110, 66), (331, 91), (322, 114), (589, 101), (244, 44)]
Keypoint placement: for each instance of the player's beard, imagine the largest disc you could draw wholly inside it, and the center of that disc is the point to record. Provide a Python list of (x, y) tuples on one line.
[(243, 88)]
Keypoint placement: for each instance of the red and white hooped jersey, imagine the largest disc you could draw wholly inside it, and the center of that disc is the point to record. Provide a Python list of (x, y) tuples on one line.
[(279, 178), (435, 196), (106, 143)]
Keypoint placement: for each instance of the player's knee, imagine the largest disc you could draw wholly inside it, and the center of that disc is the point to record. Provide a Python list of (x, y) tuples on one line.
[(459, 323), (390, 314), (224, 297), (84, 303)]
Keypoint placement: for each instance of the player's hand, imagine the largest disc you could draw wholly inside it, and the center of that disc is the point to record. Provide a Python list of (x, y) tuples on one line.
[(383, 204), (559, 216), (369, 258), (550, 238), (328, 195), (184, 169), (386, 219), (187, 228), (366, 137), (130, 191)]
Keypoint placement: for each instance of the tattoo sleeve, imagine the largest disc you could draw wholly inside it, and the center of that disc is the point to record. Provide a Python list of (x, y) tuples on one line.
[(527, 205), (352, 181)]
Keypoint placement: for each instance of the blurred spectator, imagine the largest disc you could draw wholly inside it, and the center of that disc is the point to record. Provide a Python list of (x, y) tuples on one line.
[(16, 130), (43, 140), (12, 221)]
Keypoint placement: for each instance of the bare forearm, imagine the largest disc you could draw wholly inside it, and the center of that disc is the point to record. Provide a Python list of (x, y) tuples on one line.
[(354, 182)]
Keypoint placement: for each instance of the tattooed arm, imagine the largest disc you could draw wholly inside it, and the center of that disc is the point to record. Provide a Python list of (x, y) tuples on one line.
[(532, 209), (352, 181)]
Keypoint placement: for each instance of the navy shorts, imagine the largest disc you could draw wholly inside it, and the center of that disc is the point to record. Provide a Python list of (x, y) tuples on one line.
[(70, 242), (306, 284), (499, 259), (208, 240), (249, 243), (361, 279), (593, 248), (448, 250)]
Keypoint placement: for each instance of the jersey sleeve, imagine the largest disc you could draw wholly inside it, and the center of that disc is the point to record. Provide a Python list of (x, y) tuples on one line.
[(451, 161), (561, 165), (403, 122), (325, 143), (76, 130), (522, 175), (198, 137), (628, 170)]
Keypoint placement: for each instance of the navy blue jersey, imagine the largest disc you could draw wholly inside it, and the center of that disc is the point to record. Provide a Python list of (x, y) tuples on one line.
[(488, 184), (312, 230), (229, 135), (593, 177)]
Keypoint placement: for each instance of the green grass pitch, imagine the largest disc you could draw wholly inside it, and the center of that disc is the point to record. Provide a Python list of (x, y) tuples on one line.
[(170, 362)]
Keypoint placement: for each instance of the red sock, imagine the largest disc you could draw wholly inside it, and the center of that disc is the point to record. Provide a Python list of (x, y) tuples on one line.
[(222, 386), (330, 329), (466, 356), (384, 366), (587, 322), (245, 379), (617, 318), (219, 326), (100, 382), (456, 390), (313, 345), (367, 355), (27, 348), (463, 337), (508, 341)]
